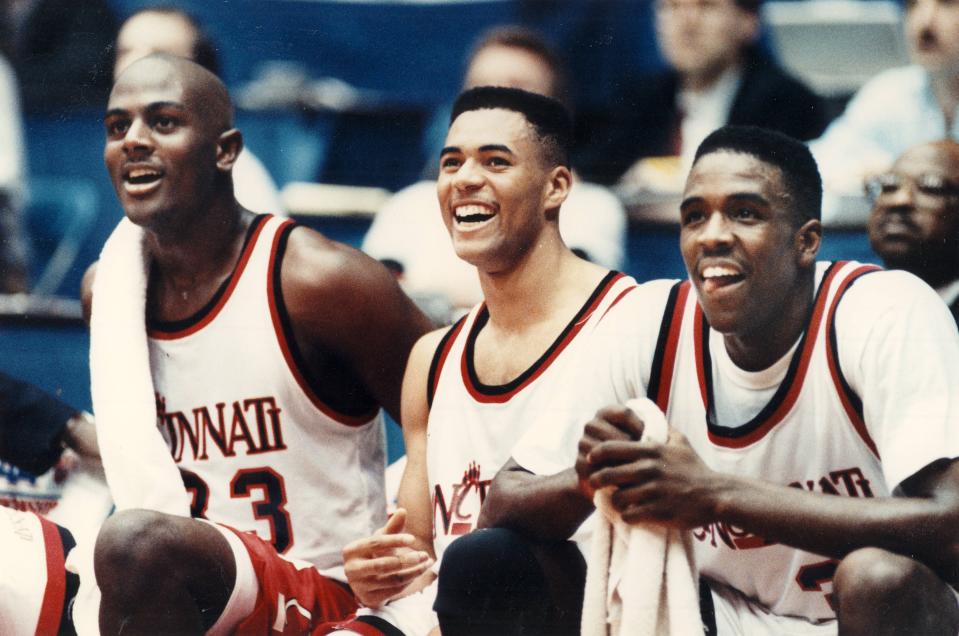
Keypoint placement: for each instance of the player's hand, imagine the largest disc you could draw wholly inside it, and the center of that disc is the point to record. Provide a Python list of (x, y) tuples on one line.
[(661, 483), (381, 567), (611, 423)]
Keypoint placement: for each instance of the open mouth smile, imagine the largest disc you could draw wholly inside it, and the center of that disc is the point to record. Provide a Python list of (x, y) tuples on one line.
[(139, 181), (472, 216), (716, 277)]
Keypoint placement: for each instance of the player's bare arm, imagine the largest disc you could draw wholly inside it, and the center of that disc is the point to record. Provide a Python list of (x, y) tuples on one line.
[(669, 483), (344, 306), (395, 561), (551, 507)]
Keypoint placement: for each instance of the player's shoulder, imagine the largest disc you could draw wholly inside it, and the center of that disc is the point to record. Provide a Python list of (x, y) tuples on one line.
[(318, 266), (882, 293), (638, 309)]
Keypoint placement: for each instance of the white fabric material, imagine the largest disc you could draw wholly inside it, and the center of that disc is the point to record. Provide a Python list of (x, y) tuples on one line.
[(137, 463), (409, 229), (641, 579), (270, 456), (413, 615), (254, 187), (23, 572), (893, 111), (472, 434), (245, 587), (899, 351)]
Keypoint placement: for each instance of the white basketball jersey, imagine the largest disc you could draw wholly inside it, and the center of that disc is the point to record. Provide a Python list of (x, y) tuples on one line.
[(32, 580), (810, 435), (258, 449), (472, 427)]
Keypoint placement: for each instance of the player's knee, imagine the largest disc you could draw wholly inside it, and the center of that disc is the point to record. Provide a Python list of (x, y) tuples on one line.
[(869, 576), (137, 542)]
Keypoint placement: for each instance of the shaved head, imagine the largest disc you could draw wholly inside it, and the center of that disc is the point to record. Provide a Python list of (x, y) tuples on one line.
[(203, 92)]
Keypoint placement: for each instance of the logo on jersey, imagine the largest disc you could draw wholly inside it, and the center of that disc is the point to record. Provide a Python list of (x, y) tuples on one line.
[(850, 482), (249, 426), (457, 509)]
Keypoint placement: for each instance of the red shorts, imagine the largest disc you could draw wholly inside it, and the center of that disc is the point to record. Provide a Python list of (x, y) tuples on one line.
[(291, 599)]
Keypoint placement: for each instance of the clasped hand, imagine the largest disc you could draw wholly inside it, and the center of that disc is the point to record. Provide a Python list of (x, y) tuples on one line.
[(662, 483)]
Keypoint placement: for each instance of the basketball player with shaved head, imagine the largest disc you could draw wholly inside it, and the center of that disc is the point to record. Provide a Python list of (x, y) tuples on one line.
[(272, 350), (812, 407)]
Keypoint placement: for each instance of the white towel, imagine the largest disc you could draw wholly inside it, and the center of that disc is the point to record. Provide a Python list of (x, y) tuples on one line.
[(641, 579), (139, 469)]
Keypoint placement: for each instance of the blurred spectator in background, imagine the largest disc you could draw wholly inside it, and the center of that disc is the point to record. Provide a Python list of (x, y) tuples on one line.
[(13, 248), (717, 75), (408, 234), (62, 50), (49, 460), (893, 111), (914, 223), (166, 29)]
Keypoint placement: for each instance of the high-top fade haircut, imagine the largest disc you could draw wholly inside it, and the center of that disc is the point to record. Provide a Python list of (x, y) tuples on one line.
[(546, 116), (792, 157)]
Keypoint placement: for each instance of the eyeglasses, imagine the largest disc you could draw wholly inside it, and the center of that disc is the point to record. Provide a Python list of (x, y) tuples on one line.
[(930, 187)]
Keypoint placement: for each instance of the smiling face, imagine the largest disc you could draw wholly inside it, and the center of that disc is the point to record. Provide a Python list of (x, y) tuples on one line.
[(914, 223), (932, 31), (495, 188), (162, 133), (742, 245)]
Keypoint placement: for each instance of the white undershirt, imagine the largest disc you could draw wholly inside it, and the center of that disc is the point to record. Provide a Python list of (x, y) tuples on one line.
[(740, 395)]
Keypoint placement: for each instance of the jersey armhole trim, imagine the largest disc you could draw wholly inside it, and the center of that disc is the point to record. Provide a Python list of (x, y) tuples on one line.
[(439, 359), (51, 609), (285, 338), (664, 359), (851, 402)]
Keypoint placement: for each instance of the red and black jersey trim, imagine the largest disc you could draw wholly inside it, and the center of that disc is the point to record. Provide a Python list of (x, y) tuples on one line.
[(55, 616), (785, 396), (664, 359), (174, 329), (851, 403), (487, 393), (439, 359), (333, 405)]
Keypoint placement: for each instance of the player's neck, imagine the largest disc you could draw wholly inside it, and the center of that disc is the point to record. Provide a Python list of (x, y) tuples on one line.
[(759, 346), (201, 249), (544, 285)]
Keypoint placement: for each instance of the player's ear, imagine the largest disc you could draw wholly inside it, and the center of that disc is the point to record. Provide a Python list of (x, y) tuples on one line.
[(228, 147), (557, 187), (808, 240)]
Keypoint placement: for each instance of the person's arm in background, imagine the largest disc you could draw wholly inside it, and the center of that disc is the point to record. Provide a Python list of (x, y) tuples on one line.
[(35, 427)]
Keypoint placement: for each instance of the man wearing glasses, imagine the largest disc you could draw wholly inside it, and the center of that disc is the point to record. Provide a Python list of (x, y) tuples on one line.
[(914, 224)]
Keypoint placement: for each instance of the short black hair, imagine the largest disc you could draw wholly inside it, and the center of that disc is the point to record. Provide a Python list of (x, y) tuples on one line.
[(513, 36), (791, 156), (752, 6), (204, 51), (548, 118)]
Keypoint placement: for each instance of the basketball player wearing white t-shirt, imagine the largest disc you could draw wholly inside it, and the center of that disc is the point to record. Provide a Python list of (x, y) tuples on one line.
[(271, 351), (813, 411), (475, 387)]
